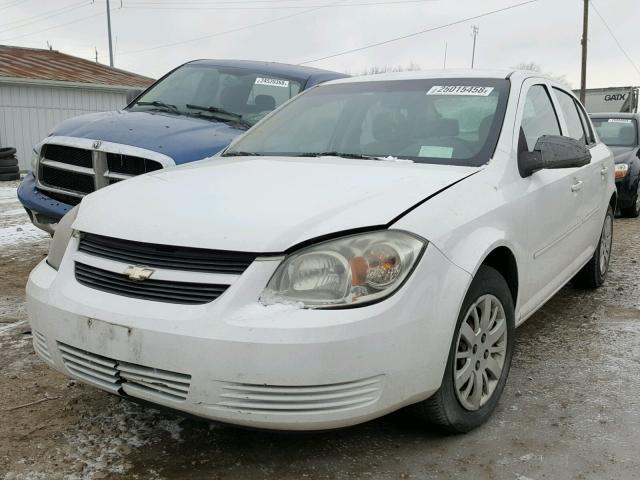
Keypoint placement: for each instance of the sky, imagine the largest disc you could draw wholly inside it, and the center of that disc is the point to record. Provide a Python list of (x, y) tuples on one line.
[(153, 36)]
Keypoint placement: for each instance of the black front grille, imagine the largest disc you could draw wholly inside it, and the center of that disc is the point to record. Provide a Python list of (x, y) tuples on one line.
[(71, 155), (130, 165), (66, 179), (154, 290), (166, 256)]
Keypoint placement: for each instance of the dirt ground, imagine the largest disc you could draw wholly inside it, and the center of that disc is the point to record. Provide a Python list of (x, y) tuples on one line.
[(571, 408)]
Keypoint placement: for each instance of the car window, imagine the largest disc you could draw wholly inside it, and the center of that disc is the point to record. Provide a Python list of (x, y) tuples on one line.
[(571, 116), (241, 91), (617, 132), (446, 121), (585, 123), (539, 117)]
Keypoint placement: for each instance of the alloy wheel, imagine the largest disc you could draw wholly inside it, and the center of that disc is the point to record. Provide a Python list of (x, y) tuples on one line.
[(605, 244), (480, 352)]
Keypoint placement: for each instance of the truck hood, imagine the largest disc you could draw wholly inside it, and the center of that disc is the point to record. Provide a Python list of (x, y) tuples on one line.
[(623, 154), (182, 138), (262, 205)]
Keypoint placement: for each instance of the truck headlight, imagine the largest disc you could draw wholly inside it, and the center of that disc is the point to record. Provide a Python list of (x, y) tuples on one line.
[(348, 271), (61, 238), (621, 170)]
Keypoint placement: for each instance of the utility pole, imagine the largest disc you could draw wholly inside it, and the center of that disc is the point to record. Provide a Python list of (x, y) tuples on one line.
[(109, 32), (444, 67), (585, 31), (474, 32)]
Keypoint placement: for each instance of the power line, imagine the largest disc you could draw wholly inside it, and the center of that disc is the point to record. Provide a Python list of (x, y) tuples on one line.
[(432, 29), (225, 32), (137, 6), (12, 4), (43, 16), (53, 27), (615, 39)]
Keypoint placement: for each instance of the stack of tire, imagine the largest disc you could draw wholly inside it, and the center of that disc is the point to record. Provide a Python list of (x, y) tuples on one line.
[(9, 169)]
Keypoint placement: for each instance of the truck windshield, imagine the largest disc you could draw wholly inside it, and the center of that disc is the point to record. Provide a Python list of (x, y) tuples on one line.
[(617, 132), (221, 93), (447, 121)]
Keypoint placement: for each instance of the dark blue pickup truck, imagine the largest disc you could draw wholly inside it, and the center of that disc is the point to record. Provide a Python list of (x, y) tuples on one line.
[(191, 113)]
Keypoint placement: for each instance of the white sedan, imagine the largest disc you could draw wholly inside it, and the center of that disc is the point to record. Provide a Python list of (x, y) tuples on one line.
[(370, 245)]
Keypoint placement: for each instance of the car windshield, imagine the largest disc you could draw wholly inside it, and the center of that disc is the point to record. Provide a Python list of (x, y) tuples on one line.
[(220, 93), (617, 132), (447, 121)]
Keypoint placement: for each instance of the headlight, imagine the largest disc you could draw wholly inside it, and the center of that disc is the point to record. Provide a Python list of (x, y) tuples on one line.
[(35, 155), (348, 271), (61, 238), (621, 170)]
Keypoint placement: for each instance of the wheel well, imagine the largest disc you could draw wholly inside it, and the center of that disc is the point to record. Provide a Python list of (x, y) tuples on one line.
[(613, 201), (504, 262)]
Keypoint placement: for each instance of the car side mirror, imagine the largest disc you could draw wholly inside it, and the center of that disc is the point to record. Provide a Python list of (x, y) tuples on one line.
[(553, 151), (133, 94)]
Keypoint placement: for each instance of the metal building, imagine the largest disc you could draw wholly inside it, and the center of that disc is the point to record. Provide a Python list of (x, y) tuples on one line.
[(40, 88)]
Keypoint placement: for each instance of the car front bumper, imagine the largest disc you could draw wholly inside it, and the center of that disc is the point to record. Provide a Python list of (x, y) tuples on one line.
[(237, 361), (627, 188)]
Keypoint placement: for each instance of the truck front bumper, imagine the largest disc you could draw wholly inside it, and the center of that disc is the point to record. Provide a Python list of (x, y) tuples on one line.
[(44, 212)]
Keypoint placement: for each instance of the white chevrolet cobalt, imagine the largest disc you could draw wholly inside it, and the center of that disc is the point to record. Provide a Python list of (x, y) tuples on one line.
[(370, 245)]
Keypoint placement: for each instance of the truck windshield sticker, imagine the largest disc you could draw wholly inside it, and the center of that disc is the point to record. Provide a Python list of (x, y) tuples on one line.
[(435, 151), (468, 90), (272, 82), (620, 120)]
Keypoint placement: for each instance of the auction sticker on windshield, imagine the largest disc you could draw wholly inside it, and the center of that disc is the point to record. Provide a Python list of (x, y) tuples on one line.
[(273, 82), (620, 120), (460, 90)]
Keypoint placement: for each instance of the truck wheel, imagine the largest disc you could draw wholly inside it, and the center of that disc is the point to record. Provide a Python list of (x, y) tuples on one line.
[(479, 357), (594, 272), (4, 177), (6, 152), (14, 169)]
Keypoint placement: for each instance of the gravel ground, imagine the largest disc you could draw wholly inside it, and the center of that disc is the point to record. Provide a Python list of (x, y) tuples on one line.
[(570, 409)]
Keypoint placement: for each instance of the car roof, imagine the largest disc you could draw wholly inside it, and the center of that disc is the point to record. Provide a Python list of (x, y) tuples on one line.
[(298, 72), (514, 75), (614, 115)]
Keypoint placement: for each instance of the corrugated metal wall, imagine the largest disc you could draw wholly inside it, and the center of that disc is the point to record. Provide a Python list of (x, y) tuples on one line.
[(28, 113)]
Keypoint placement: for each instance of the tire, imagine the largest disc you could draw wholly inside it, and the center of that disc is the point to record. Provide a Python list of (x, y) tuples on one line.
[(634, 210), (448, 408), (4, 177), (8, 162), (594, 273), (14, 169), (6, 152)]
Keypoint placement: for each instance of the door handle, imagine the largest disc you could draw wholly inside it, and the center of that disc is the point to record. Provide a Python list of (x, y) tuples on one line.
[(604, 170), (577, 186)]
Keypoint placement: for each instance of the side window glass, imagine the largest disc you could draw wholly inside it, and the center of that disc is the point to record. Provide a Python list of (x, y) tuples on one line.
[(570, 112), (586, 124), (539, 116)]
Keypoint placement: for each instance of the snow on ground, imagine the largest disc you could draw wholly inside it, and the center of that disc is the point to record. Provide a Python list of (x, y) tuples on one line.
[(15, 227)]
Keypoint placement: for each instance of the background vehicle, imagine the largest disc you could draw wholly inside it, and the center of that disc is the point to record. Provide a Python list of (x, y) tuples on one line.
[(191, 113), (613, 99), (620, 132), (372, 244)]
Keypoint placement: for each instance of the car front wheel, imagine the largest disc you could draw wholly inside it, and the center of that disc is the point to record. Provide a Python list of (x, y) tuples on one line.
[(479, 358)]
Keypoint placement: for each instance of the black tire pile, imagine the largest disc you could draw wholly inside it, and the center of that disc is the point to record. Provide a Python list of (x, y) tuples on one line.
[(9, 169)]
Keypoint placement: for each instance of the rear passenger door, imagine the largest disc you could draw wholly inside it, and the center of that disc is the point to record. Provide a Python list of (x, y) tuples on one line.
[(593, 175)]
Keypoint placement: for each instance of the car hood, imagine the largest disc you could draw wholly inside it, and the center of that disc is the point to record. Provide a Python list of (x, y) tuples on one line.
[(263, 205), (182, 138), (623, 154)]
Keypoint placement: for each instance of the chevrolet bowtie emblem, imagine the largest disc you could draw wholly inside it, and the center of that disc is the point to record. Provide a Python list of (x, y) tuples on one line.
[(138, 273)]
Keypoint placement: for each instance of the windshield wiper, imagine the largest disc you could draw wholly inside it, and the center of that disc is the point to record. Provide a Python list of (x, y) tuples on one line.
[(156, 103), (358, 156), (240, 154), (211, 109)]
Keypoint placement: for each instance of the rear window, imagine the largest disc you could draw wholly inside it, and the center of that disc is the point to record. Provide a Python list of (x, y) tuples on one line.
[(617, 132)]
